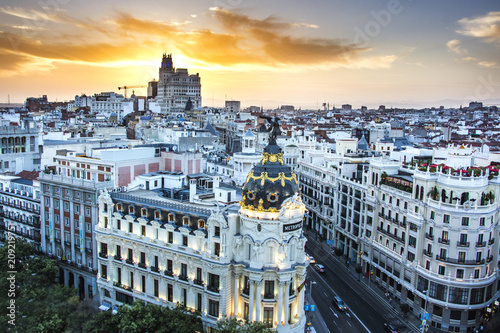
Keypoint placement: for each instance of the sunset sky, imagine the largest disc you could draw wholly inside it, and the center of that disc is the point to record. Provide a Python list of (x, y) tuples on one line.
[(267, 53)]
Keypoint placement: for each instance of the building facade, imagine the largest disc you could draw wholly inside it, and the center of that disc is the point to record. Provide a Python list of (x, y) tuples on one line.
[(245, 261), (176, 87), (426, 234)]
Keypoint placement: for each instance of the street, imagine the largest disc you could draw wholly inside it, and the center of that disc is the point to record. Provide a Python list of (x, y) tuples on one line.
[(367, 311)]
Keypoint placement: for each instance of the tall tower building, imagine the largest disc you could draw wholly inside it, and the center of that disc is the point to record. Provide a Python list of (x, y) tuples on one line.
[(176, 87)]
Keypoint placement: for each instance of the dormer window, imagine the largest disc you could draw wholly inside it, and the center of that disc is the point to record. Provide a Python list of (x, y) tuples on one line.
[(170, 217), (119, 207), (185, 220), (131, 210), (157, 215), (201, 224), (144, 212)]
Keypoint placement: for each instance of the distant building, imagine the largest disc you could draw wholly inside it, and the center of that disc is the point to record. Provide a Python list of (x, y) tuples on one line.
[(233, 106), (346, 107), (475, 105), (287, 108), (176, 87)]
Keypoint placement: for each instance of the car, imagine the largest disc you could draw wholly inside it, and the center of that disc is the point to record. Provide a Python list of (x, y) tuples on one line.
[(320, 268), (339, 303), (310, 259), (389, 328)]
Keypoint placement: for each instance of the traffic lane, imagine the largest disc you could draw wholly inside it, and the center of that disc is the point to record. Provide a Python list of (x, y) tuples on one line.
[(335, 319), (371, 311)]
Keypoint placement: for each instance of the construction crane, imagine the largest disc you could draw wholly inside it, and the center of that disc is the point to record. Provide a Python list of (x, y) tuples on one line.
[(130, 87)]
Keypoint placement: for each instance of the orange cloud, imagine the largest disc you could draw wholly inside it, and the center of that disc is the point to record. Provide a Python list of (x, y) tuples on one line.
[(486, 27)]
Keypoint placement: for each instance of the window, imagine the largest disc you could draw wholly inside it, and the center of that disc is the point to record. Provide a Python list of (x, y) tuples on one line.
[(57, 217), (66, 206), (66, 221), (213, 281), (476, 273), (217, 231), (184, 240), (143, 278), (269, 289), (104, 271), (169, 265), (183, 270), (482, 221), (156, 288), (199, 302), (268, 317), (143, 258), (213, 308), (77, 209), (87, 227), (460, 273), (446, 218), (185, 220), (433, 215), (143, 230), (131, 283), (87, 211), (130, 254), (56, 204), (170, 293), (217, 249), (130, 227), (170, 237), (465, 221)]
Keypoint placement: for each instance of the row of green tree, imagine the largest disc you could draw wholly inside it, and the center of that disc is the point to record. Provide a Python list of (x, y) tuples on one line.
[(34, 302)]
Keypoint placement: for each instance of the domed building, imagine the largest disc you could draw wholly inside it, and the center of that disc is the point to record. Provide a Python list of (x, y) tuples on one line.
[(244, 261)]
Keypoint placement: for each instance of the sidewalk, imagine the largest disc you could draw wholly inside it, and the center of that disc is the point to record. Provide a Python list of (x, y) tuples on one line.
[(317, 320)]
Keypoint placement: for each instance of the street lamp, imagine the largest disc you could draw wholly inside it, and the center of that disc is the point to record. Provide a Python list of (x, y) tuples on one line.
[(424, 321)]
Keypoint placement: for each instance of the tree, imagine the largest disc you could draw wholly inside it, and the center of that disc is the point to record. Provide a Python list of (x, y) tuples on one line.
[(405, 308), (41, 304), (236, 326), (141, 318)]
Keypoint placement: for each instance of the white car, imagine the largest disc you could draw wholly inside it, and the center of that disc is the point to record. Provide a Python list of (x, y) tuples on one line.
[(310, 259)]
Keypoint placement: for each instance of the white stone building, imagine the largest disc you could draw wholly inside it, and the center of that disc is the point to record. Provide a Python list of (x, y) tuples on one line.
[(245, 261)]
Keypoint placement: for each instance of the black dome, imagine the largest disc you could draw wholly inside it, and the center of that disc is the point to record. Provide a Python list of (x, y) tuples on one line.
[(270, 182)]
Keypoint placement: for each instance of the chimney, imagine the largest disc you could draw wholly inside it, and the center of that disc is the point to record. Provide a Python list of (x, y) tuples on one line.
[(192, 189)]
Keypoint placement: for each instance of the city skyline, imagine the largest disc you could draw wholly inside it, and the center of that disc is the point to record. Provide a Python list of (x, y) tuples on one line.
[(398, 53)]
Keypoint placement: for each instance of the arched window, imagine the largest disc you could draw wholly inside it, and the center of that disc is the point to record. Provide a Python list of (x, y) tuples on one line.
[(170, 217), (201, 224), (119, 207), (185, 220), (144, 212), (157, 215), (131, 209)]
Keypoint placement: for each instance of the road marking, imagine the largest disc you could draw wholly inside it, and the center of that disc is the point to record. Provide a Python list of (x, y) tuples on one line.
[(366, 328), (349, 323), (348, 315), (325, 294), (336, 315)]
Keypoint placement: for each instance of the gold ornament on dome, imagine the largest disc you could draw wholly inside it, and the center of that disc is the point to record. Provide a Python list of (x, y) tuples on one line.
[(264, 176), (273, 158), (260, 208)]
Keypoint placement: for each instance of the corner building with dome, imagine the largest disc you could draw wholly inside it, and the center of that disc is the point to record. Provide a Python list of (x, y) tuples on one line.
[(244, 260)]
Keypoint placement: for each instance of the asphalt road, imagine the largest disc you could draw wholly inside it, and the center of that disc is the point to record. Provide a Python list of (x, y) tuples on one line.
[(366, 312)]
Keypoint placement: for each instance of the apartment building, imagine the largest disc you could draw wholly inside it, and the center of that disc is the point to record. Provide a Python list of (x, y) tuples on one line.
[(20, 207), (426, 233), (69, 205)]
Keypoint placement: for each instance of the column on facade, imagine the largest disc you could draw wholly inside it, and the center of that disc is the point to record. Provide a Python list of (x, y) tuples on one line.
[(287, 301), (280, 302), (250, 301), (72, 231), (236, 294), (81, 223), (258, 305), (300, 299)]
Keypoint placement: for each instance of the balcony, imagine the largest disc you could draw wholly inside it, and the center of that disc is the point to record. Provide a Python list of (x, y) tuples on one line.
[(213, 289), (155, 269), (245, 291), (142, 265), (130, 261), (491, 241), (444, 241), (198, 282), (463, 244), (183, 277), (269, 296), (67, 243), (168, 273), (88, 250), (429, 236), (480, 244), (489, 259), (427, 253), (117, 257), (460, 261), (103, 254)]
